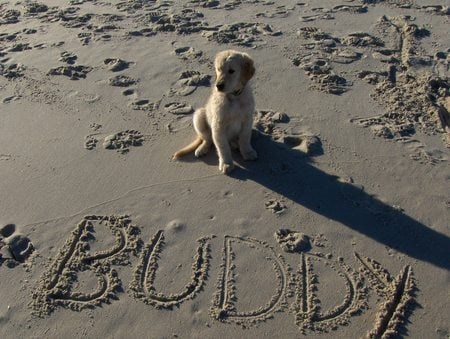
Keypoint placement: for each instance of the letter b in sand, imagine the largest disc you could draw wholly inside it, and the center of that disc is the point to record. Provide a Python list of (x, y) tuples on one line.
[(78, 266)]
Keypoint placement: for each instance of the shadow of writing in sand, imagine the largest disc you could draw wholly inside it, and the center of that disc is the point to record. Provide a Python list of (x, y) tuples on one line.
[(287, 172)]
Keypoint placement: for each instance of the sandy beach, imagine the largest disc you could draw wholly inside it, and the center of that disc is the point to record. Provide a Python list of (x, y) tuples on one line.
[(340, 228)]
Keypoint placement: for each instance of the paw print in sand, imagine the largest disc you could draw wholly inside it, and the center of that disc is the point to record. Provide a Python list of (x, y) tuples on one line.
[(15, 248)]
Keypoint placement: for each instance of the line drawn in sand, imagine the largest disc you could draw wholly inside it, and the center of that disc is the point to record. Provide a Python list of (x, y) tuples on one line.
[(224, 308), (398, 294), (142, 286), (56, 285)]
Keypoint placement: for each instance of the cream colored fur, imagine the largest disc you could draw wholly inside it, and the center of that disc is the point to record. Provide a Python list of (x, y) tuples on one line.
[(228, 114)]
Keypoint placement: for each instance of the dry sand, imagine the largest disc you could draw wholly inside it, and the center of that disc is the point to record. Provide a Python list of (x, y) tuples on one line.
[(339, 230)]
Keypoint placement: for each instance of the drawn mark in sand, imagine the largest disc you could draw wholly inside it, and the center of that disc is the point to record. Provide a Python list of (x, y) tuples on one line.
[(116, 65), (321, 49), (121, 81), (14, 248), (122, 141), (73, 72), (224, 301), (11, 98), (142, 286), (307, 306), (411, 91), (78, 263), (187, 53), (243, 34), (292, 241), (416, 102), (188, 82), (178, 108), (398, 294)]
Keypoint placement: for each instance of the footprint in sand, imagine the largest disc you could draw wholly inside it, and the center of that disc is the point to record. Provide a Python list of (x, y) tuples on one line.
[(129, 91), (14, 248), (122, 141), (116, 65), (10, 16), (187, 53), (276, 206), (19, 47), (144, 105), (268, 122), (292, 241), (11, 71), (277, 12), (178, 108), (68, 57), (188, 82), (34, 8), (323, 78), (90, 143), (307, 144), (7, 230), (121, 81), (73, 72), (243, 34)]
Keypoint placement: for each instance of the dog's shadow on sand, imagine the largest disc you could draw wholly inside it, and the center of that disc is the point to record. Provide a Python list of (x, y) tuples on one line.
[(289, 173)]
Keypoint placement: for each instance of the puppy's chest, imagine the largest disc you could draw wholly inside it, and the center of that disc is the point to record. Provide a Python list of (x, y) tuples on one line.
[(237, 109)]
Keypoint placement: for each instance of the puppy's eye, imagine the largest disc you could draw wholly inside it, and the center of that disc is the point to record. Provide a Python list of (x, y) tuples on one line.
[(230, 71)]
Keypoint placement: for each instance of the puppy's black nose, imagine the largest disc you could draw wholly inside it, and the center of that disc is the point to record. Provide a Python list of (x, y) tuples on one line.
[(220, 87)]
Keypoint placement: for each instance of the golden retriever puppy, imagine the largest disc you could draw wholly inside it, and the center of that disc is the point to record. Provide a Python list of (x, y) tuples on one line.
[(228, 114)]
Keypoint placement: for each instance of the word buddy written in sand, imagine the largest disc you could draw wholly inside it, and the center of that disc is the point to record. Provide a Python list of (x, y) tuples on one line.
[(296, 292)]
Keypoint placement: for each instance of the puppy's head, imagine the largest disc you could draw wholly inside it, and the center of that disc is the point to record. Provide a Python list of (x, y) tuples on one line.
[(233, 70)]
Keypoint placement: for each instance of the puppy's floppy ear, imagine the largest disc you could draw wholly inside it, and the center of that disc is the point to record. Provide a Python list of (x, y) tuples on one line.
[(248, 68)]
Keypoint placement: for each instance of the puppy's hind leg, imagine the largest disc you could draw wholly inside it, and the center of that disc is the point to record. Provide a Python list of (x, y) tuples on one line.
[(203, 130)]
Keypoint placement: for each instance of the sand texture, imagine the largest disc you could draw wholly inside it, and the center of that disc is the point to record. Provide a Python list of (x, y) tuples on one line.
[(340, 228)]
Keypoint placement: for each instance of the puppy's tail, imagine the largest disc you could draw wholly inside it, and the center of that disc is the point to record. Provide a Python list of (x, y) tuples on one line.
[(188, 149)]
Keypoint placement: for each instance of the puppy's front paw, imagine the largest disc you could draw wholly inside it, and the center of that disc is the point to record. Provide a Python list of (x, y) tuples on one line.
[(250, 155), (226, 168)]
